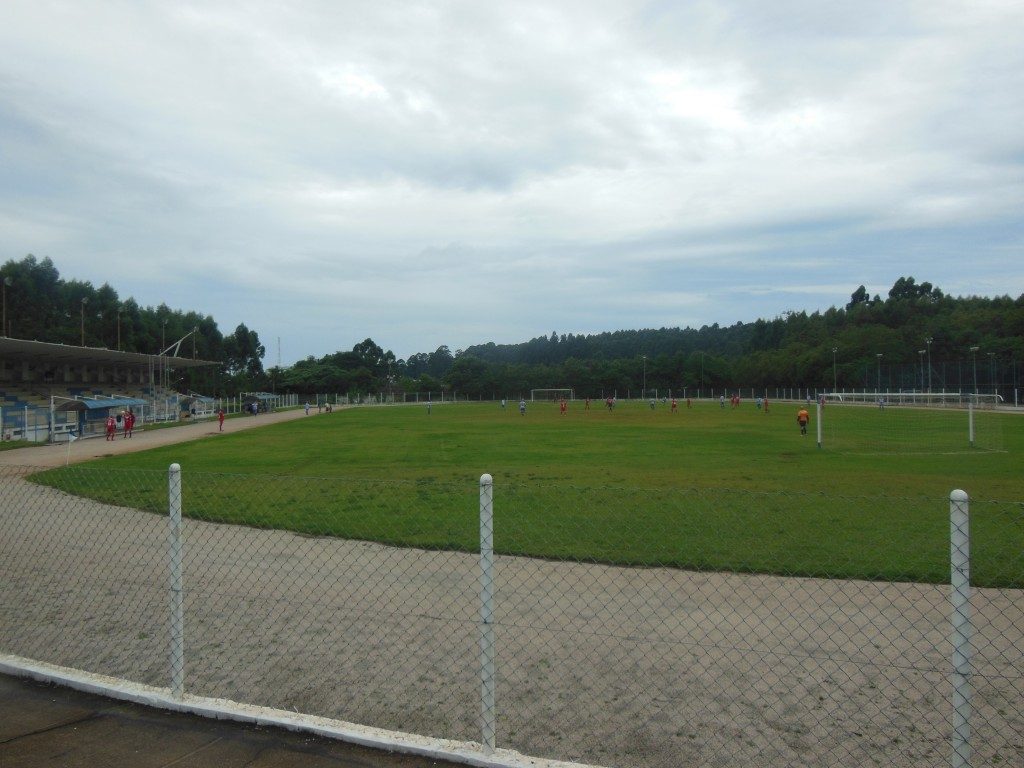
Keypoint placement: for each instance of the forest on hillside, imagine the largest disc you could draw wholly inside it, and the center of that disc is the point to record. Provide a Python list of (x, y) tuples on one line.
[(915, 338)]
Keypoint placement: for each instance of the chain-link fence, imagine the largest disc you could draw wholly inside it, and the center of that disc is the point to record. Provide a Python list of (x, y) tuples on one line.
[(608, 626)]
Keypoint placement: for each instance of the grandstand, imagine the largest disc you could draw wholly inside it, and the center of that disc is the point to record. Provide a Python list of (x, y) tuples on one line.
[(48, 391)]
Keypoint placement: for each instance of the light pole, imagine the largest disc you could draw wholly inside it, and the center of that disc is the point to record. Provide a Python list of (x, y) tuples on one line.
[(878, 385), (920, 353), (119, 311), (928, 345), (701, 371), (974, 365), (992, 370), (163, 347), (7, 282), (85, 300), (835, 387), (645, 374)]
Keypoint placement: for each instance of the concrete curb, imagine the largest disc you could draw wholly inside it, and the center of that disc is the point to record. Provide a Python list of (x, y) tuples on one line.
[(468, 753)]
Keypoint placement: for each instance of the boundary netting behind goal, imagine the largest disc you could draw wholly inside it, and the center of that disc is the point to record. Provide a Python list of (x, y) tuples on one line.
[(918, 399), (552, 394), (911, 423)]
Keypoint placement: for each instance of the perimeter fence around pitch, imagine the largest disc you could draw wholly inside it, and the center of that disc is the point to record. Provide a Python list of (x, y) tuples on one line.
[(606, 626)]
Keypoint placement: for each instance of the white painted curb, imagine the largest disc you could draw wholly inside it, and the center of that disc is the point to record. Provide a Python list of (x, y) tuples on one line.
[(469, 753)]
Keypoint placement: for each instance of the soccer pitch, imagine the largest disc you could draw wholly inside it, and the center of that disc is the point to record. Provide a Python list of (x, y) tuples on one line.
[(706, 487)]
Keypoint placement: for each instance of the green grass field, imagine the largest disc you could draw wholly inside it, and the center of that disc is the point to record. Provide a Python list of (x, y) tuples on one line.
[(703, 488)]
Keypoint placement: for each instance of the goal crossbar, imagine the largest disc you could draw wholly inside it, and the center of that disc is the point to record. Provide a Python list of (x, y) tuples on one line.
[(552, 393)]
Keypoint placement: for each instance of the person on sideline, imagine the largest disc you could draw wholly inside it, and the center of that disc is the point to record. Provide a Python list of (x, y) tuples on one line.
[(111, 426), (220, 419), (802, 417)]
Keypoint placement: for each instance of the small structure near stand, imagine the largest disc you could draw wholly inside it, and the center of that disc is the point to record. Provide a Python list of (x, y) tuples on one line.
[(197, 406), (258, 402), (92, 413)]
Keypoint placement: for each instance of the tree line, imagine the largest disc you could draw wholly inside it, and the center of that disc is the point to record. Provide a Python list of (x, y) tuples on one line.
[(915, 338)]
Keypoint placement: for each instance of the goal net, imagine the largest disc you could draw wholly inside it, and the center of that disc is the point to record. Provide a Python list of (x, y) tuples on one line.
[(915, 422), (551, 394)]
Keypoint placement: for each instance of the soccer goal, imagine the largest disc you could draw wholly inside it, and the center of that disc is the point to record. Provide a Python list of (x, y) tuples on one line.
[(552, 394), (911, 422)]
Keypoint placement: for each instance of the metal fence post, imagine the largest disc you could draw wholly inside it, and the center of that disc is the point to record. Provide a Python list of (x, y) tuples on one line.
[(960, 600), (487, 716), (177, 609)]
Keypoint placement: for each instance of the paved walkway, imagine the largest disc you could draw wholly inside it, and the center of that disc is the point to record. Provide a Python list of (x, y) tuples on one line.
[(49, 726)]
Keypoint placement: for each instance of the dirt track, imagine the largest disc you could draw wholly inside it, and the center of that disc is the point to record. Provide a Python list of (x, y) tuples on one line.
[(97, 447)]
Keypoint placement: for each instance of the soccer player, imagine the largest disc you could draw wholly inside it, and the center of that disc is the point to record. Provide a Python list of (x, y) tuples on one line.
[(673, 405), (802, 417), (587, 407), (721, 401), (561, 406), (522, 407), (111, 426), (220, 419), (652, 403)]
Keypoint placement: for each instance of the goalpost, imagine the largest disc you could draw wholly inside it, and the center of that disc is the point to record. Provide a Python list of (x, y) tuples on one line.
[(552, 394), (910, 422)]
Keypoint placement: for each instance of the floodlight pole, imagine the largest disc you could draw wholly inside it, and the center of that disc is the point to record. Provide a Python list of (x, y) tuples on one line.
[(992, 371), (85, 300), (928, 345), (645, 374), (7, 281), (119, 310), (974, 365), (920, 354), (163, 347), (878, 385), (835, 386)]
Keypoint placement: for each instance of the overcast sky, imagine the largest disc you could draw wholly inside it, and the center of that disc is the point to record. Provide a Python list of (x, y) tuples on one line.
[(431, 173)]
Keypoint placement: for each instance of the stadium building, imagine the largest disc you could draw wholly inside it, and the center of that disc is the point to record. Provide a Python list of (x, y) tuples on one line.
[(51, 391)]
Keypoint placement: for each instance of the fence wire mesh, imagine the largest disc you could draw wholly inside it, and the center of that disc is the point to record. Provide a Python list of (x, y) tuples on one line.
[(630, 628)]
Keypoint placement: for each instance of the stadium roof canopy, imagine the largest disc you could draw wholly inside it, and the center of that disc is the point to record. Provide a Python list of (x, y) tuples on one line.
[(44, 352), (98, 403)]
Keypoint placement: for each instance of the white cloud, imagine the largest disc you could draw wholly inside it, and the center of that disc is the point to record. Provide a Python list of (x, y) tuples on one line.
[(457, 172)]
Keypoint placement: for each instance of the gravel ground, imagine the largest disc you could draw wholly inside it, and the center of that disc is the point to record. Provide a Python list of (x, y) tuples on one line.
[(611, 666)]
